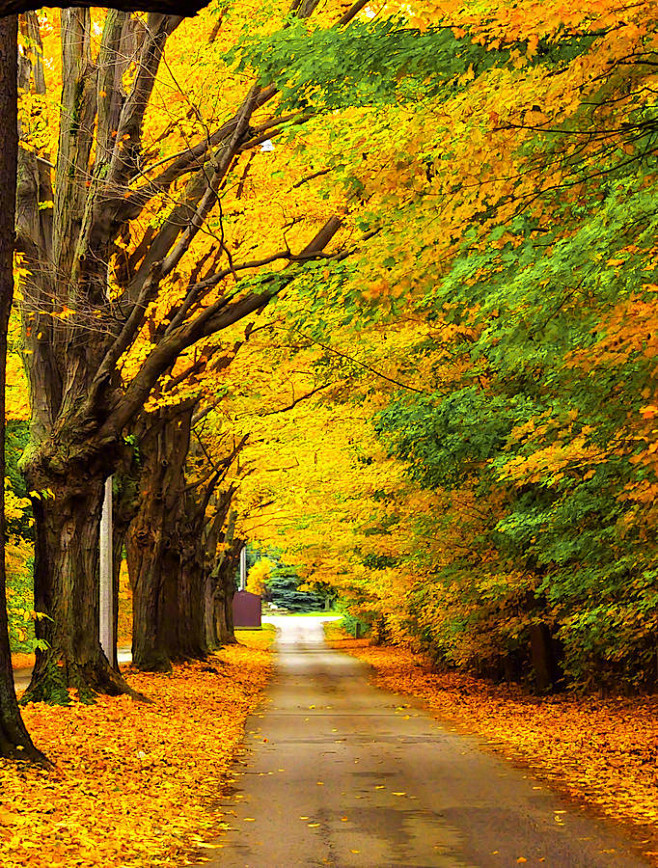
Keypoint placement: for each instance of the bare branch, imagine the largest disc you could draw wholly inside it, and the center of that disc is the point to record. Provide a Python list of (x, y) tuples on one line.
[(296, 401)]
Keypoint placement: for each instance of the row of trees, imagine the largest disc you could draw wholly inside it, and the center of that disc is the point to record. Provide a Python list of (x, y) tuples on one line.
[(149, 240), (453, 209)]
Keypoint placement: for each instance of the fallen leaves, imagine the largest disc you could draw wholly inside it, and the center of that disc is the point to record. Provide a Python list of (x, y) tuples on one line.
[(134, 785)]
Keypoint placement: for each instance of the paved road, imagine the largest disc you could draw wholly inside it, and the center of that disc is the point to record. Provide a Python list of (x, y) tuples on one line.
[(339, 773)]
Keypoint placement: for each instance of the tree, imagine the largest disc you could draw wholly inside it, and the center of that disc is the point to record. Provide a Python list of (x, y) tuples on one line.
[(529, 428), (175, 589), (78, 327), (14, 738)]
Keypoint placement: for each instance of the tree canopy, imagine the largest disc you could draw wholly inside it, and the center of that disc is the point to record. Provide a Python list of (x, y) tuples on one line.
[(404, 262)]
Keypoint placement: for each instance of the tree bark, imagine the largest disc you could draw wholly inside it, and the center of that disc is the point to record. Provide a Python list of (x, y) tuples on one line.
[(216, 532), (66, 566), (202, 535), (224, 574), (224, 624), (191, 633), (15, 741), (173, 543)]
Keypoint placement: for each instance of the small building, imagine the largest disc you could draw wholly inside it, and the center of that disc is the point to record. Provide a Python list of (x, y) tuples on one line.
[(247, 610)]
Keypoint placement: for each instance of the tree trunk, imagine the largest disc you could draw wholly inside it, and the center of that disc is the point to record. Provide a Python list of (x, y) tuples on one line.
[(543, 659), (191, 634), (214, 533), (224, 625), (154, 553), (66, 589), (225, 589), (209, 623), (201, 535), (75, 334), (15, 741)]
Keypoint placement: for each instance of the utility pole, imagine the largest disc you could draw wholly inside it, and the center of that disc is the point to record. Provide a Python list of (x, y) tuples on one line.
[(243, 568), (106, 608)]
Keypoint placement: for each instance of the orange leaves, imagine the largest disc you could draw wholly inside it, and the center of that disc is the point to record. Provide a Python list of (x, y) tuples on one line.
[(132, 782), (548, 463), (375, 289), (631, 327)]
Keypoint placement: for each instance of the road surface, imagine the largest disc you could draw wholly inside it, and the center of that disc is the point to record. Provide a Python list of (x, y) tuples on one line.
[(339, 773)]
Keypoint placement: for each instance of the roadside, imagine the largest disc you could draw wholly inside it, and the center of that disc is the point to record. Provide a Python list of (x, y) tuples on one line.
[(601, 751), (134, 785)]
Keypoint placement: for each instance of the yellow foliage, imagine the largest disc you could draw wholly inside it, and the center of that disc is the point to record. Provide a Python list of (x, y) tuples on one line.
[(258, 575), (14, 506)]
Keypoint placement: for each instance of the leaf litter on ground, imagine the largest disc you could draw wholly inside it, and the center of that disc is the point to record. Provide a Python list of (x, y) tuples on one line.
[(134, 784)]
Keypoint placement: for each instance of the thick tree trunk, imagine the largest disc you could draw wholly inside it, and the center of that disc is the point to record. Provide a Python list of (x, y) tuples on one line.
[(211, 569), (225, 587), (148, 566), (15, 741), (66, 589), (198, 635), (154, 545), (191, 634), (228, 564), (224, 626)]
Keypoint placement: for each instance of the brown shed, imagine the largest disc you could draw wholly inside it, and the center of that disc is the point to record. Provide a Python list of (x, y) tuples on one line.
[(246, 610)]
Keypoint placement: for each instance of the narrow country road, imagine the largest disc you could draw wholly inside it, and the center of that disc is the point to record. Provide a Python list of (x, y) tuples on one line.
[(339, 773)]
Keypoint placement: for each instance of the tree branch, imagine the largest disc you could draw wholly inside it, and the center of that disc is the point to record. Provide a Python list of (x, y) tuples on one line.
[(298, 400), (215, 318)]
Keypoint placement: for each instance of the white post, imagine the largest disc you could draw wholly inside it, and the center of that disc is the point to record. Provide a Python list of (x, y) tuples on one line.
[(106, 589), (243, 568)]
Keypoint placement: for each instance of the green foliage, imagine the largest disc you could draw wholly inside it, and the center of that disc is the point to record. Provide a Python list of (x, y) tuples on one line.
[(377, 62), (20, 523), (546, 426), (364, 64), (20, 607), (283, 589)]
